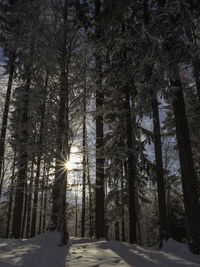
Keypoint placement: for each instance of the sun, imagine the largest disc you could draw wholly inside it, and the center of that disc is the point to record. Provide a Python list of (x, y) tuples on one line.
[(69, 165), (74, 160)]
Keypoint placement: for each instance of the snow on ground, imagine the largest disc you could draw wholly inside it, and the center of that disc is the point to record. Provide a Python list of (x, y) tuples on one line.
[(43, 251)]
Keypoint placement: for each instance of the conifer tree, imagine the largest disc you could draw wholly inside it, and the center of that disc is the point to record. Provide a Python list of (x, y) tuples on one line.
[(158, 147), (59, 188), (188, 172)]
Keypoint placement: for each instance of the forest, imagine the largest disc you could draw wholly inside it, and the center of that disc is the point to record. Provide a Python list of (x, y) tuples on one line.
[(100, 120)]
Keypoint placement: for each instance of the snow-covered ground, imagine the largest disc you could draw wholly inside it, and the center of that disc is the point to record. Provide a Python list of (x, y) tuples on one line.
[(43, 251)]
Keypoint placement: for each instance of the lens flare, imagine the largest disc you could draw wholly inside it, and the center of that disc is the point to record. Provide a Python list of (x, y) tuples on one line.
[(69, 165)]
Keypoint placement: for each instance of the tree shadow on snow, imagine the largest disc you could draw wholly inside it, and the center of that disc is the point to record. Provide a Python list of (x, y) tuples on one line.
[(137, 256), (130, 254), (37, 252)]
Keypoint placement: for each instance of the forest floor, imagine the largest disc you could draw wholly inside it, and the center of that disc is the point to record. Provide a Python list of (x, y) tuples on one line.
[(43, 251)]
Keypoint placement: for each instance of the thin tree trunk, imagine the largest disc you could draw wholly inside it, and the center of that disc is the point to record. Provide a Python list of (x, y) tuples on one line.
[(100, 221), (29, 205), (64, 230), (123, 213), (35, 200), (23, 158), (40, 144), (5, 114), (167, 190), (117, 219), (11, 195), (84, 165), (41, 200), (2, 174), (76, 215), (90, 199), (45, 200), (131, 172), (117, 230), (24, 210), (159, 172)]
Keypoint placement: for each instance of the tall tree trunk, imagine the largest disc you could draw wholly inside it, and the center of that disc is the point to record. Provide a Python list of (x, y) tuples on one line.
[(41, 200), (84, 164), (76, 215), (29, 205), (11, 195), (122, 204), (158, 150), (35, 199), (45, 198), (90, 198), (159, 172), (131, 143), (117, 230), (22, 157), (59, 188), (2, 174), (188, 174), (40, 144), (100, 221), (117, 217), (24, 210), (131, 171), (5, 114)]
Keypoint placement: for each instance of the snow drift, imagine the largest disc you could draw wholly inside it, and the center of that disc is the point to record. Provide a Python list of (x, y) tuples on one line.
[(43, 251)]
